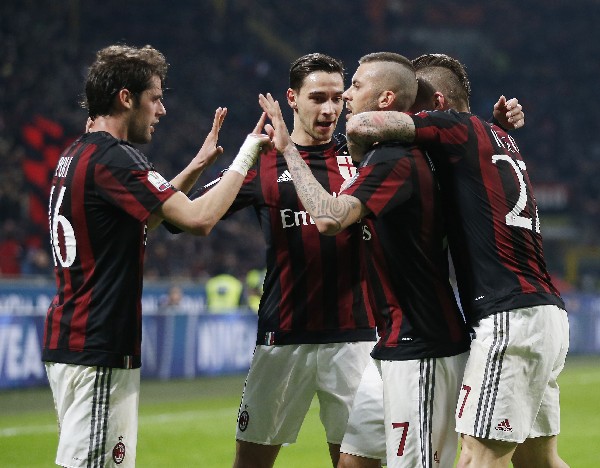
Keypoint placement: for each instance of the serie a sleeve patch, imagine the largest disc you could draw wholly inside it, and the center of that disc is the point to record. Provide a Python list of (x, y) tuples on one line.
[(158, 181)]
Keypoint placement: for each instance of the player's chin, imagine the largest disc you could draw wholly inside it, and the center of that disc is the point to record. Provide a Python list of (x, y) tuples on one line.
[(322, 137), (325, 137), (140, 139)]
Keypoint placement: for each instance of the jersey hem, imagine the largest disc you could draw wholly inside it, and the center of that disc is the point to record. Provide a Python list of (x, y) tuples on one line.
[(91, 358), (520, 301), (266, 338)]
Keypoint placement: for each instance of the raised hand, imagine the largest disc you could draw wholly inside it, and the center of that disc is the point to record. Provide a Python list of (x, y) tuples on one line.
[(210, 149), (205, 157), (509, 113), (278, 131)]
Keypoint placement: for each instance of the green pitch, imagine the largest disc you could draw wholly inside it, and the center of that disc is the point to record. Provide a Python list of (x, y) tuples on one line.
[(192, 424)]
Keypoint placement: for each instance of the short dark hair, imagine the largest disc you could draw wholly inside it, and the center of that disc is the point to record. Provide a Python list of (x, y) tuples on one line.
[(311, 63), (445, 74), (399, 77), (120, 67), (386, 57)]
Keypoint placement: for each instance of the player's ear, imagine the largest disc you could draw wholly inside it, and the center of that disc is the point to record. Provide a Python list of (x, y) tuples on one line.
[(124, 99), (386, 98), (291, 99), (439, 101)]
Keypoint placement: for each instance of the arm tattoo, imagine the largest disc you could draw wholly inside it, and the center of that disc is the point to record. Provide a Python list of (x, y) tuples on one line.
[(318, 202), (367, 128)]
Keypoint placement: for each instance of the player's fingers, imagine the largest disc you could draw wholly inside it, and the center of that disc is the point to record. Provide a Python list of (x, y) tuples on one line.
[(217, 121), (265, 103), (270, 131), (512, 103), (275, 103), (222, 115), (267, 145), (520, 122), (516, 113), (261, 123)]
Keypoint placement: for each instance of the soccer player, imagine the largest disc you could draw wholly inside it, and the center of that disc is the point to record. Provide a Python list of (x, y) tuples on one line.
[(423, 338), (509, 402), (314, 329), (105, 194), (363, 445)]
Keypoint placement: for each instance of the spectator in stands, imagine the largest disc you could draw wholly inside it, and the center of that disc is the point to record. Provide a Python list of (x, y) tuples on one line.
[(172, 304), (223, 293), (11, 250), (254, 287)]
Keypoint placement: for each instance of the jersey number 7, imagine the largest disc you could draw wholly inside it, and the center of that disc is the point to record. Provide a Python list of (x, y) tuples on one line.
[(404, 427)]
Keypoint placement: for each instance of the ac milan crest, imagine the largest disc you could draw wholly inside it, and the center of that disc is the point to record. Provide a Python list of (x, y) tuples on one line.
[(243, 420), (346, 167), (118, 452)]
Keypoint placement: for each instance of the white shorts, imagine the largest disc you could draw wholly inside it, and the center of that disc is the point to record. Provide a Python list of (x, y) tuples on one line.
[(283, 380), (419, 398), (510, 391), (365, 432), (97, 414)]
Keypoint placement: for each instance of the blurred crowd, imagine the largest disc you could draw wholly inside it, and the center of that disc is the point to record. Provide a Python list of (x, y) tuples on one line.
[(224, 52)]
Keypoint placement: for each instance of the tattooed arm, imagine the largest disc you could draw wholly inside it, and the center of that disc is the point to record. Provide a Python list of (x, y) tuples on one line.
[(330, 214), (367, 128)]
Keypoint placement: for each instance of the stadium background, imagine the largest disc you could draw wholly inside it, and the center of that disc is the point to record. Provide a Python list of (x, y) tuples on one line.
[(223, 53)]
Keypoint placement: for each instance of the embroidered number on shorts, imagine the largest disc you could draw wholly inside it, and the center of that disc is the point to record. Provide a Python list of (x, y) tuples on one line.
[(404, 426), (467, 390)]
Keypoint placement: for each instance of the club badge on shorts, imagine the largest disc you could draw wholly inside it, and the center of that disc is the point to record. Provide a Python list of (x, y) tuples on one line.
[(118, 452), (243, 420)]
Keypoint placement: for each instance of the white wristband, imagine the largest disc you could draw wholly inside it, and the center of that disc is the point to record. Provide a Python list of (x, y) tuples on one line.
[(247, 155)]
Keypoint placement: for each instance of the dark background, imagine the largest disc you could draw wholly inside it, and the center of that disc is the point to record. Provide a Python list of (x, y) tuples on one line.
[(223, 53)]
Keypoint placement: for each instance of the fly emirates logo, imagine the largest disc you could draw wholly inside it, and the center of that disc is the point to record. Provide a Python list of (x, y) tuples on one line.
[(291, 218)]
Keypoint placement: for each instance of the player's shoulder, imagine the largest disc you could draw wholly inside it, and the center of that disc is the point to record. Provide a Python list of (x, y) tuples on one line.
[(389, 152), (448, 114), (118, 153)]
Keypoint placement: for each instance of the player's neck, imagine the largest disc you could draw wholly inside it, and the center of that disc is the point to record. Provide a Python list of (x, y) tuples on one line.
[(303, 139), (110, 124)]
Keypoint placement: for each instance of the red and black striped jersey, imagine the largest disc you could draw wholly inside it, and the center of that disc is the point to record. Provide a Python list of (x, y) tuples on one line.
[(103, 192), (493, 221), (405, 254), (312, 289)]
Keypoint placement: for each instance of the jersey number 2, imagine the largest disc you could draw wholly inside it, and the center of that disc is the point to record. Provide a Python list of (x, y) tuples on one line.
[(514, 216), (57, 219)]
